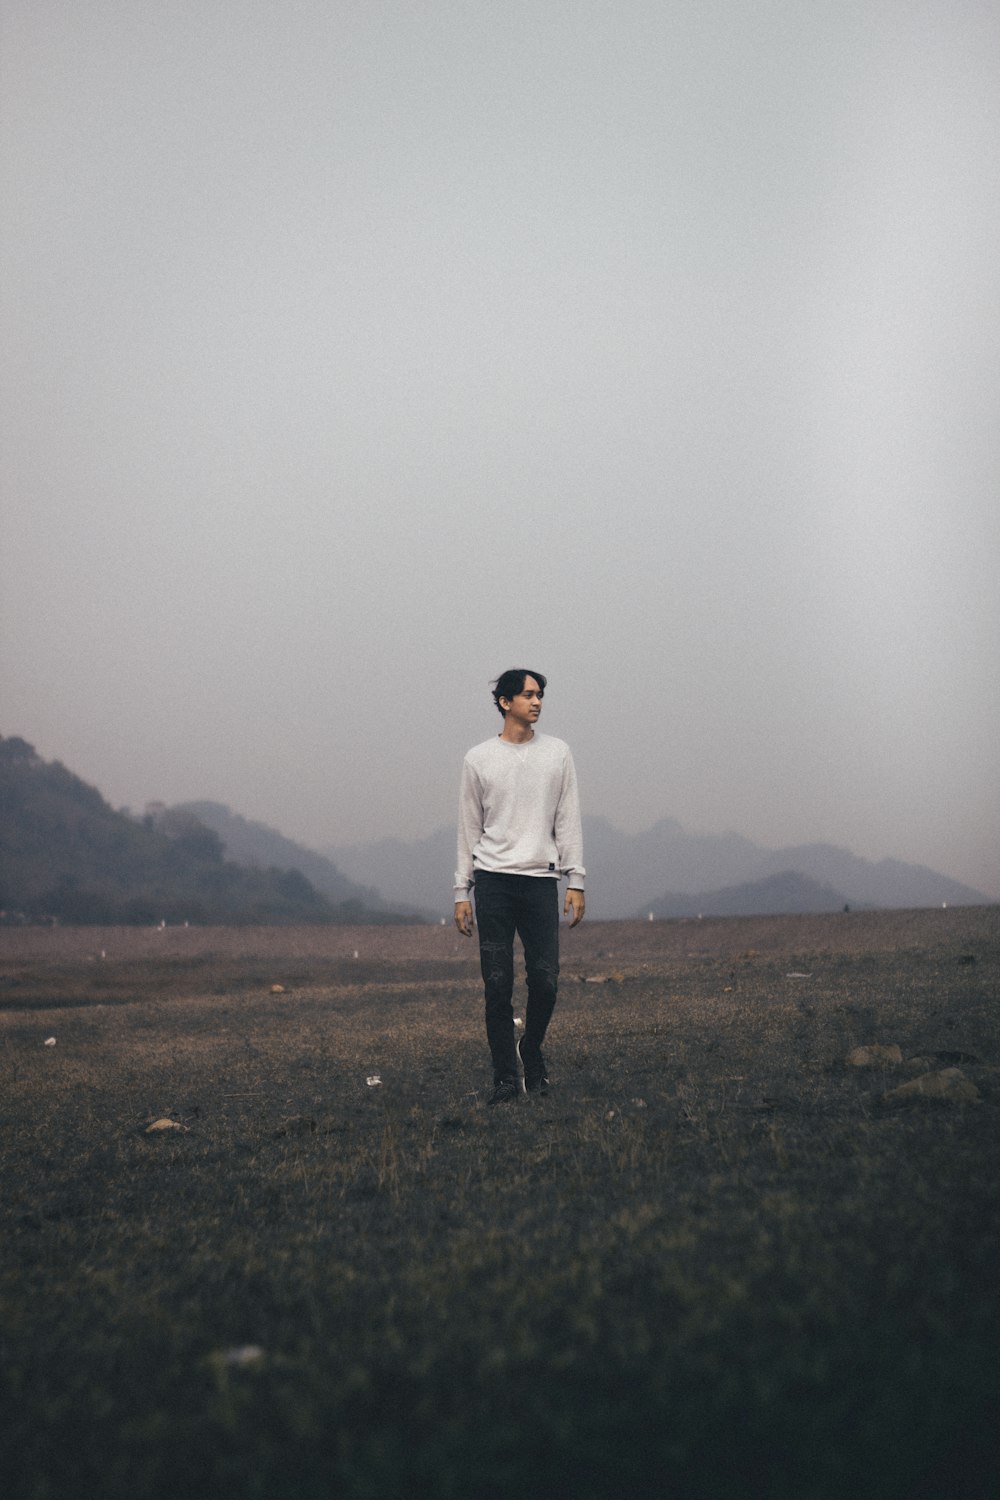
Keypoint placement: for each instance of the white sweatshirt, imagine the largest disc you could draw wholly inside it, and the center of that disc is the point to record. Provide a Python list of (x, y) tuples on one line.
[(519, 812)]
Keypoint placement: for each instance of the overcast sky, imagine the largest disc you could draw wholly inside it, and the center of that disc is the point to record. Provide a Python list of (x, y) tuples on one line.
[(353, 352)]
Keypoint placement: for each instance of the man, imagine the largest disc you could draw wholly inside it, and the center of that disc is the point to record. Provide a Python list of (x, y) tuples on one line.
[(518, 832)]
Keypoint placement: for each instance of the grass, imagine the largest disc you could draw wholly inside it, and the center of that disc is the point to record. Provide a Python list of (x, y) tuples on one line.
[(715, 1261)]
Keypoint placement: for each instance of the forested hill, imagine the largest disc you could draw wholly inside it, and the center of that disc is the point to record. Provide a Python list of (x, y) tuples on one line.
[(260, 846), (66, 854)]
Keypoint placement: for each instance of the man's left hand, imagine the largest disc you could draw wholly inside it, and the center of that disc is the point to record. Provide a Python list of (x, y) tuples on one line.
[(576, 904)]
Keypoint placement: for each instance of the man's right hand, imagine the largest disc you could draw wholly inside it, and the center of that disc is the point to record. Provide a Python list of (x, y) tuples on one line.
[(463, 917)]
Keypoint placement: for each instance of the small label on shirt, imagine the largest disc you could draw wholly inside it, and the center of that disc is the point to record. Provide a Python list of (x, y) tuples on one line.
[(551, 866)]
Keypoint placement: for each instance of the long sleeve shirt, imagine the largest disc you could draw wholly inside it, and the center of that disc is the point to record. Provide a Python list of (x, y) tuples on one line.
[(519, 812)]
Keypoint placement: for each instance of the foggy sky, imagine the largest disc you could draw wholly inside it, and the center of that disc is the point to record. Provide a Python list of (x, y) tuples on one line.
[(354, 352)]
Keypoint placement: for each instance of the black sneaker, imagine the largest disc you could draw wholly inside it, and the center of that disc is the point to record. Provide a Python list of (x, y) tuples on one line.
[(503, 1092), (536, 1074)]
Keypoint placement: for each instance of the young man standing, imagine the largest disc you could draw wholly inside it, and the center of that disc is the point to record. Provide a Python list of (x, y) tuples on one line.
[(518, 832)]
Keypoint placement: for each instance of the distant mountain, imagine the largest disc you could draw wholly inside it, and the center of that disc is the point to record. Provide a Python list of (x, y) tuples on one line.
[(630, 872), (785, 894), (257, 846), (65, 854), (887, 882), (640, 868), (419, 872)]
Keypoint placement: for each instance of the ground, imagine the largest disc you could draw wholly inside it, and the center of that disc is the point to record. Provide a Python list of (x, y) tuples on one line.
[(716, 1260)]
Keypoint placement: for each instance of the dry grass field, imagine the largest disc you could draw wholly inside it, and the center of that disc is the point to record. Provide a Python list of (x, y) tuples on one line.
[(718, 1260)]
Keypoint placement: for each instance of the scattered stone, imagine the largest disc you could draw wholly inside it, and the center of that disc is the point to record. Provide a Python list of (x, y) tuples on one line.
[(797, 974), (243, 1357), (164, 1123), (926, 1062), (949, 1085), (245, 1354), (603, 978), (277, 989), (874, 1057), (374, 1080), (50, 1041)]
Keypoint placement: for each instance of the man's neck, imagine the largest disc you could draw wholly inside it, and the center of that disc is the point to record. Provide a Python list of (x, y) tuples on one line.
[(516, 734)]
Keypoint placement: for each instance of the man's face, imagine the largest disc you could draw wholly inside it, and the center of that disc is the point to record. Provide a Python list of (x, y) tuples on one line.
[(526, 705)]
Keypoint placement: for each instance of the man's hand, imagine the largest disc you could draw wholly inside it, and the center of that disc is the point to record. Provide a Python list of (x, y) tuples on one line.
[(575, 903), (463, 917)]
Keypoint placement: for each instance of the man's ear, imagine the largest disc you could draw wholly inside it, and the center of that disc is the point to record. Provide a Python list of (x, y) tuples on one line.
[(505, 704)]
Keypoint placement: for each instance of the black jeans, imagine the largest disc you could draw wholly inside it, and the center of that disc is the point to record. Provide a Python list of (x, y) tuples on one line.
[(529, 906)]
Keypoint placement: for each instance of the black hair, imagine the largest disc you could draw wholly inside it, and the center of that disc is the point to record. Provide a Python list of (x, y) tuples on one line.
[(511, 682)]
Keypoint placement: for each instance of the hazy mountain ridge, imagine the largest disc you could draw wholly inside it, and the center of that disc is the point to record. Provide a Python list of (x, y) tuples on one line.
[(66, 854), (631, 873), (258, 846), (784, 894), (422, 868)]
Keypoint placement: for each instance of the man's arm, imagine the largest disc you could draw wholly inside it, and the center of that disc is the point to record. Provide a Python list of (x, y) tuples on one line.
[(463, 917), (575, 903), (568, 832), (470, 827)]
